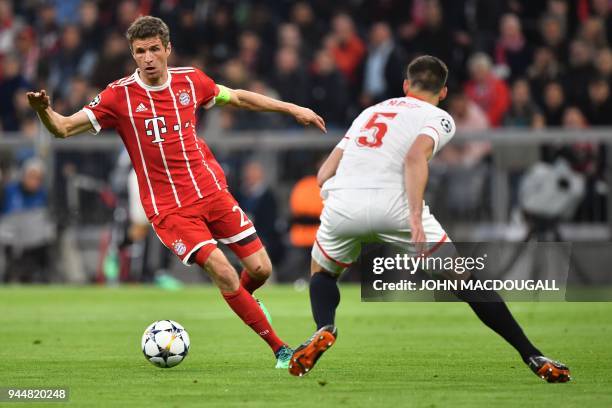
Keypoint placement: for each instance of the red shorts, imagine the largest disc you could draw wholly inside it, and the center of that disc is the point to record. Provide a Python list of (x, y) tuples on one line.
[(200, 225)]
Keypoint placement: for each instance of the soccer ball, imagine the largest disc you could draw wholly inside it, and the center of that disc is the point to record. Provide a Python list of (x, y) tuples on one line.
[(165, 343)]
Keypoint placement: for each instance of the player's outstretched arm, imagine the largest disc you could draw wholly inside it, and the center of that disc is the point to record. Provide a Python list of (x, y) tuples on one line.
[(60, 126), (416, 172), (258, 102)]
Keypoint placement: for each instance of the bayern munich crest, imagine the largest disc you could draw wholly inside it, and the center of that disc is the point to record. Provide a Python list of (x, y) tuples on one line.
[(184, 98), (179, 247)]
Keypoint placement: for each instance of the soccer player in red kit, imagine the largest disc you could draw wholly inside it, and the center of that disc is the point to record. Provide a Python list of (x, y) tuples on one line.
[(182, 187)]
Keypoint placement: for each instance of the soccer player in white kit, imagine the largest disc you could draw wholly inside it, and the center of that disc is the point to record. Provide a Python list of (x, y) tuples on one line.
[(373, 184)]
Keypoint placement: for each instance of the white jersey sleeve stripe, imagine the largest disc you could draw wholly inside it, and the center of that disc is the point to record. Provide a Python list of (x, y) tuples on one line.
[(195, 106), (180, 131), (144, 164), (342, 143), (163, 155), (125, 83), (210, 103), (126, 80), (93, 120), (433, 133)]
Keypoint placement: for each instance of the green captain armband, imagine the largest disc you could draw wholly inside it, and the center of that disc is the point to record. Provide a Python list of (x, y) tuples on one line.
[(223, 97)]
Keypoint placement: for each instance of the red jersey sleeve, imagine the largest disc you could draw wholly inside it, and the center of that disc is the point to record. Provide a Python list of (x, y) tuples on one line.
[(101, 110), (206, 90)]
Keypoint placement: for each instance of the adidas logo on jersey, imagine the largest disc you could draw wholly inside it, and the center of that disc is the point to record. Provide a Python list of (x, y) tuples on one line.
[(141, 107)]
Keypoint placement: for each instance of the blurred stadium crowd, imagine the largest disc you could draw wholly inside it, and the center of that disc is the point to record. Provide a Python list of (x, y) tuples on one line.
[(513, 63)]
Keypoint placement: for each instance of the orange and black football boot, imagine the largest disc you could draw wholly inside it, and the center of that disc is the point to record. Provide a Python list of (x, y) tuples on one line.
[(549, 370), (305, 356)]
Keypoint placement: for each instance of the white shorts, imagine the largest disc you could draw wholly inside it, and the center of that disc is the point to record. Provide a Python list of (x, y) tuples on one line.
[(352, 217)]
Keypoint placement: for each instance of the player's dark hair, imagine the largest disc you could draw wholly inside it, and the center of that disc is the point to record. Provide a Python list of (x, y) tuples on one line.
[(147, 27), (427, 73)]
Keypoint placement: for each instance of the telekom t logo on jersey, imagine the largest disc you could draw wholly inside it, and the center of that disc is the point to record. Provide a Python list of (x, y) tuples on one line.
[(156, 126)]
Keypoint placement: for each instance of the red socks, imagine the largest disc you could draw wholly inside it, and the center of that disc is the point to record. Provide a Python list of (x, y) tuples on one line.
[(250, 283), (243, 304)]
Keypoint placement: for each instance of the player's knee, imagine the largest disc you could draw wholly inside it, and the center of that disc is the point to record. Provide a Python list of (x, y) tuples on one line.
[(262, 270), (258, 266)]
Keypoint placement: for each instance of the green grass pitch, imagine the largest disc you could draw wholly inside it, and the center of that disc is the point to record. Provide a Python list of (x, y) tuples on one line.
[(387, 354)]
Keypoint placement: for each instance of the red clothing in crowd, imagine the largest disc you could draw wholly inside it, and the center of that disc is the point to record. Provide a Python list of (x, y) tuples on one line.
[(348, 56), (493, 96)]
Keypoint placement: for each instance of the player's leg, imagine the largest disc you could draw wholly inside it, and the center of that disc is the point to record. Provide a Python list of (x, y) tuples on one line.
[(244, 305), (337, 246), (493, 312), (491, 309), (324, 294), (332, 253), (231, 226), (487, 305), (257, 269), (240, 301), (218, 267), (324, 300), (188, 236)]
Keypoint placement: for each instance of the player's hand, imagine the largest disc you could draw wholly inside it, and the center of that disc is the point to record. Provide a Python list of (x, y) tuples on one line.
[(418, 235), (39, 101), (306, 117)]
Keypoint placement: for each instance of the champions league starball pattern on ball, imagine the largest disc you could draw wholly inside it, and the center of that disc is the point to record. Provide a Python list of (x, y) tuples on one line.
[(165, 343)]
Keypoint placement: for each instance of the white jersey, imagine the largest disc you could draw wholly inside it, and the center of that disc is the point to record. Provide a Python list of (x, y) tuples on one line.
[(379, 139)]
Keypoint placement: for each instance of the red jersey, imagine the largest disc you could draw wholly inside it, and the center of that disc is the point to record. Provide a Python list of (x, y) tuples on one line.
[(158, 127)]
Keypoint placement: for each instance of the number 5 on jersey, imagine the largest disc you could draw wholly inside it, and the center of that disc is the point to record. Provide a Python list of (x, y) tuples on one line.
[(376, 128)]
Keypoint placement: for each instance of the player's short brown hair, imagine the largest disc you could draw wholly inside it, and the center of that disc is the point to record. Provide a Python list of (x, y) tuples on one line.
[(427, 73), (147, 27)]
